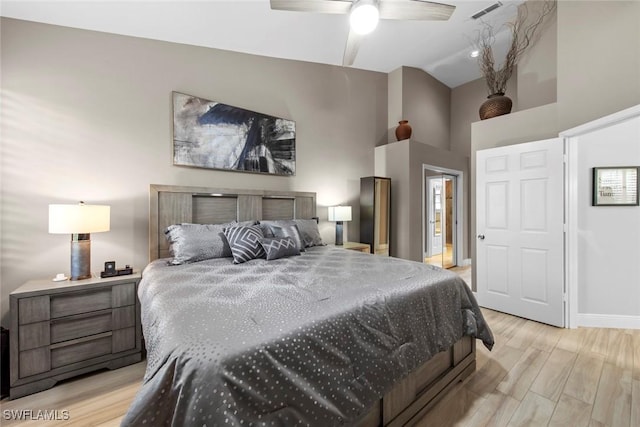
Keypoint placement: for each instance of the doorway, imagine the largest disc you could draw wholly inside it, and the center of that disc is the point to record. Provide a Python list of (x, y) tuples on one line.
[(441, 222)]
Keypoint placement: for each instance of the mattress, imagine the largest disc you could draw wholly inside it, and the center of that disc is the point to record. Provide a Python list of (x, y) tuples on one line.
[(314, 339)]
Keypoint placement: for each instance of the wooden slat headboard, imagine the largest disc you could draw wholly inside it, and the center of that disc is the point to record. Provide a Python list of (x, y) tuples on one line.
[(169, 204)]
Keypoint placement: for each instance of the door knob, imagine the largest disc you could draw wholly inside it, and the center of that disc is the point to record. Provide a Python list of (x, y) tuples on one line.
[(481, 236)]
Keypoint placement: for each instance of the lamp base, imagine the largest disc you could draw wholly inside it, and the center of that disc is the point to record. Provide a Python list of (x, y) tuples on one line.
[(80, 256), (339, 233)]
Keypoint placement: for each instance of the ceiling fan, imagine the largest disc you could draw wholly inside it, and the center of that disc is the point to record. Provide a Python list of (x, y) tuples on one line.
[(364, 15)]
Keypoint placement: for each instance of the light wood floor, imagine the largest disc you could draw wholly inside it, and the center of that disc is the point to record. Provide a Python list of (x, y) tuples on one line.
[(539, 375), (444, 259), (536, 375)]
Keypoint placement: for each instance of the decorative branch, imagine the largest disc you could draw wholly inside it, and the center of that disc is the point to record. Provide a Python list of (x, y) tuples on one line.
[(523, 32)]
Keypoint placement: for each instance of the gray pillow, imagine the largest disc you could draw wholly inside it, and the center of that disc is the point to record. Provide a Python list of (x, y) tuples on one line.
[(310, 233), (289, 230), (245, 243), (308, 229), (279, 247), (267, 224), (197, 242)]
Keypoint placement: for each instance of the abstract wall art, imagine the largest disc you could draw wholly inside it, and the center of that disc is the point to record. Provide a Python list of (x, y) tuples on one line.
[(212, 135)]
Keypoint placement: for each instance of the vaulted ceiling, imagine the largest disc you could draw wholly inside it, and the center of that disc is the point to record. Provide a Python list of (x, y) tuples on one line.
[(441, 48)]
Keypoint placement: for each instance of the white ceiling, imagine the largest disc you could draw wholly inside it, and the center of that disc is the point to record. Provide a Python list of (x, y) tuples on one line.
[(441, 48)]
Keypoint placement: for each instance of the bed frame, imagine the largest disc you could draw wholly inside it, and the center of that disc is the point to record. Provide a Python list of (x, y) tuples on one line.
[(412, 397)]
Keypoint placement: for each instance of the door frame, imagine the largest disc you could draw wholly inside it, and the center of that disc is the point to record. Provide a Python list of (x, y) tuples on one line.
[(571, 138), (459, 226), (430, 182)]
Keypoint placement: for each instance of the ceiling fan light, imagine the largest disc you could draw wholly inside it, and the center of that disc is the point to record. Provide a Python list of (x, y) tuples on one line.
[(364, 17)]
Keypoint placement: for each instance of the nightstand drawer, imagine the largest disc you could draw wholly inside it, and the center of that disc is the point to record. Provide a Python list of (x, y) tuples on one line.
[(80, 302), (34, 335), (34, 309), (124, 295), (124, 339), (69, 328), (35, 361), (80, 351), (124, 317)]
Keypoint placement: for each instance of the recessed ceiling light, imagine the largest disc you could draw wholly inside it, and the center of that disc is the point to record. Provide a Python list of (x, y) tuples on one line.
[(474, 53)]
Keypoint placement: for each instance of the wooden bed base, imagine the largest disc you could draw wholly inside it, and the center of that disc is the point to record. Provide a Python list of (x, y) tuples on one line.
[(412, 397)]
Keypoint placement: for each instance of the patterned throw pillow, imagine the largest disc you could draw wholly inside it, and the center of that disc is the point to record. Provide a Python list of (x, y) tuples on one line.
[(245, 243), (197, 242), (279, 247), (290, 230)]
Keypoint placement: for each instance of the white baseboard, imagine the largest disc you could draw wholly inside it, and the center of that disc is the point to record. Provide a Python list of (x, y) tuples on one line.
[(608, 321), (465, 262)]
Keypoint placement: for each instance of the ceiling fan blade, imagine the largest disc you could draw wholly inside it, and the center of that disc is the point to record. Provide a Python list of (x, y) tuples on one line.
[(351, 49), (318, 6), (415, 10)]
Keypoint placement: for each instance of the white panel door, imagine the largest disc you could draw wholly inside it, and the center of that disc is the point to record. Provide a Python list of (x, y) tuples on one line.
[(519, 224)]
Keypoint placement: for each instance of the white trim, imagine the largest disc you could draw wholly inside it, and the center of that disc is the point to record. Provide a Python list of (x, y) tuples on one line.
[(459, 207), (465, 262), (608, 321), (571, 236), (602, 122)]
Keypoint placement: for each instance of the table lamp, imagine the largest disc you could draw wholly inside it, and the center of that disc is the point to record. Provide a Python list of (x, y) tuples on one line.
[(79, 220), (339, 214)]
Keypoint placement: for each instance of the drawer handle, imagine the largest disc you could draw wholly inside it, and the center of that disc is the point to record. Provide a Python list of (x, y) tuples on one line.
[(80, 340)]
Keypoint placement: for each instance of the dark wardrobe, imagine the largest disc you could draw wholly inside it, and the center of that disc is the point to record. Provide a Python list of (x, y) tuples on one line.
[(375, 213)]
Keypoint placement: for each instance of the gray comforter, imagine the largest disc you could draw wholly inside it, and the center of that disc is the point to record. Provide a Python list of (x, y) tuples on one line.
[(314, 339)]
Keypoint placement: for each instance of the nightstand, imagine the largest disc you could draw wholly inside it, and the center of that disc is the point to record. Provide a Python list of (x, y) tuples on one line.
[(63, 329), (360, 247)]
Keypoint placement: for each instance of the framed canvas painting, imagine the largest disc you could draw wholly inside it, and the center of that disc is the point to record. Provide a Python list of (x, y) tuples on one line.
[(212, 135)]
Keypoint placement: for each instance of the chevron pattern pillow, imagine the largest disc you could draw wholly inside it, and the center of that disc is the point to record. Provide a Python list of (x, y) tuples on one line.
[(245, 243), (290, 230), (279, 247)]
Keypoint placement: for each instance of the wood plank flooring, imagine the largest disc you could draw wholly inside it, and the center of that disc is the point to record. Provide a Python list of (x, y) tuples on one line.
[(537, 375)]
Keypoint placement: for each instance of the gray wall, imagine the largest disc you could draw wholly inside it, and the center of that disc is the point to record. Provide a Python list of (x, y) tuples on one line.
[(87, 116), (538, 69), (598, 59), (466, 100), (419, 98), (391, 161), (402, 162), (426, 104), (395, 94)]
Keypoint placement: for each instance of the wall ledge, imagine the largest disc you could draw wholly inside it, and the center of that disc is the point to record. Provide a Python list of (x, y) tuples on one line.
[(528, 125)]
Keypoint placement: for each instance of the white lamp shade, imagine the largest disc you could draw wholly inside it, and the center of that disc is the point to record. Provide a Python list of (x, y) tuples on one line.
[(79, 219), (339, 213)]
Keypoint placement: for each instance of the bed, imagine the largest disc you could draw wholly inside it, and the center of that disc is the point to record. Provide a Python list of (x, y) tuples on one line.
[(329, 337)]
